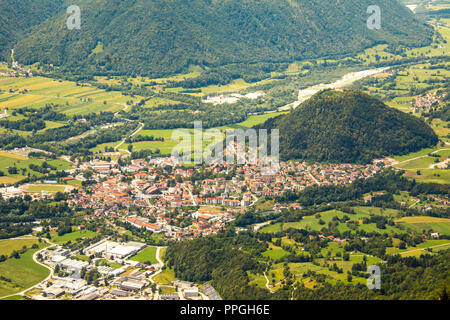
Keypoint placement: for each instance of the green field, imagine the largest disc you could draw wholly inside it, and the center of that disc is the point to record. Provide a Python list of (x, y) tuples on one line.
[(412, 155), (45, 187), (234, 86), (256, 279), (418, 165), (420, 223), (9, 245), (275, 253), (166, 277), (146, 255), (73, 99), (435, 245), (21, 273), (73, 236), (430, 176), (421, 160), (252, 121), (300, 271), (312, 222), (194, 71), (17, 298), (22, 163), (166, 147), (167, 290), (106, 263)]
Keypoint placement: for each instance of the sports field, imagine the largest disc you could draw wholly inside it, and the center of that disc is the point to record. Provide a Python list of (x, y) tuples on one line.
[(46, 187)]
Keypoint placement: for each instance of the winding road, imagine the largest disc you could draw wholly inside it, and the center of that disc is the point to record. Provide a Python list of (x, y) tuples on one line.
[(267, 283)]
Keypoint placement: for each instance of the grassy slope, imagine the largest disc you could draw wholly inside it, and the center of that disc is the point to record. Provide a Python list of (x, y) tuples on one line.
[(22, 272)]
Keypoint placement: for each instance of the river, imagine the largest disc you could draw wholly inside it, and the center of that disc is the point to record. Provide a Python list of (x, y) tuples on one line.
[(346, 80)]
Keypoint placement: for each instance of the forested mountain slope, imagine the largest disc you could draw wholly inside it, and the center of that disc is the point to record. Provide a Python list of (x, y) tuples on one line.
[(152, 37), (18, 16)]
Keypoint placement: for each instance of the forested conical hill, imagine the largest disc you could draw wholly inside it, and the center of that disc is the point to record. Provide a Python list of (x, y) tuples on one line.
[(157, 38), (349, 127)]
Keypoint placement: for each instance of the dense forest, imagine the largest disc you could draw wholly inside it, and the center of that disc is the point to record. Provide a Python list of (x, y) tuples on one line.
[(222, 259), (348, 126), (17, 17), (137, 37)]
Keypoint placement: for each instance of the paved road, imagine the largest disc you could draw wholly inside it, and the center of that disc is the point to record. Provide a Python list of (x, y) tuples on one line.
[(423, 249), (191, 195), (161, 264), (131, 135), (314, 178), (416, 158)]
